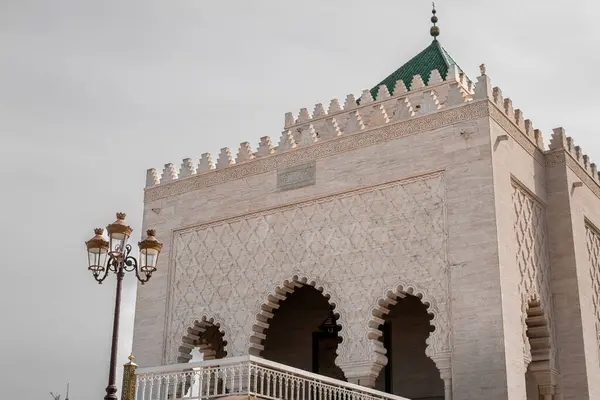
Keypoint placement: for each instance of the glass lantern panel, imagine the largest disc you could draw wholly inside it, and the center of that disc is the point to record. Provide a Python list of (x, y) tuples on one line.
[(117, 243), (148, 260), (97, 259)]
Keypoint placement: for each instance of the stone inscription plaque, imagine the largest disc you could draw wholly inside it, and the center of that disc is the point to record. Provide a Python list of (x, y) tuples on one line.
[(297, 176)]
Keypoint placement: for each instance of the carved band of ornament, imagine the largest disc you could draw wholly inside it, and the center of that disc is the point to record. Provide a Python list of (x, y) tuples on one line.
[(561, 156), (323, 149), (292, 206), (519, 137), (583, 175), (551, 158), (555, 157)]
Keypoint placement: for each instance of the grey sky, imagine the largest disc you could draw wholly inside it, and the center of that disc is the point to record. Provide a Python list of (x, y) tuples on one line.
[(92, 93)]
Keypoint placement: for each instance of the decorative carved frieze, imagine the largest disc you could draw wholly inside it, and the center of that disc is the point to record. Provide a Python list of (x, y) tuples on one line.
[(582, 174), (561, 156), (509, 126), (555, 157), (318, 150)]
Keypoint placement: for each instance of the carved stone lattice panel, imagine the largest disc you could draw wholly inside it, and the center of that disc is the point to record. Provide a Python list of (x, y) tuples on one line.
[(532, 255), (593, 247), (354, 244)]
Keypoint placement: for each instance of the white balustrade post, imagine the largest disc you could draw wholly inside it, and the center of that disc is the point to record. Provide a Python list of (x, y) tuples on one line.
[(238, 381), (140, 389), (195, 388)]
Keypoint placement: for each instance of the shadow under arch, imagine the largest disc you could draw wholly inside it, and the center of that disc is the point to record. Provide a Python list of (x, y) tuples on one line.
[(407, 322), (382, 307), (208, 335), (273, 301)]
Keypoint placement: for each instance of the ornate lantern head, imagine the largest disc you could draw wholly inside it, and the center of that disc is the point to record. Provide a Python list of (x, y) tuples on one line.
[(118, 234), (149, 250), (97, 248)]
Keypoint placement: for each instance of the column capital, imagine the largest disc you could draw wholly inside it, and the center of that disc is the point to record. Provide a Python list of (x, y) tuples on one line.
[(362, 373), (443, 361)]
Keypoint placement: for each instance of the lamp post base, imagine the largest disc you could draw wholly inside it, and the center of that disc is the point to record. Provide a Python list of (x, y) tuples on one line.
[(111, 392)]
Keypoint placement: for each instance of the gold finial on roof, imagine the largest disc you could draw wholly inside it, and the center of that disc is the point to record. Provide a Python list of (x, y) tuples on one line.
[(435, 30), (131, 357), (482, 69)]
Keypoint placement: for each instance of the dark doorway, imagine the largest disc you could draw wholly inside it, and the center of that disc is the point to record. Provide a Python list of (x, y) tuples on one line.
[(303, 333), (325, 343), (409, 372)]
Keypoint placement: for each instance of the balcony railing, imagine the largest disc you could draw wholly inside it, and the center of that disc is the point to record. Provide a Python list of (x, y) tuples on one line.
[(245, 376)]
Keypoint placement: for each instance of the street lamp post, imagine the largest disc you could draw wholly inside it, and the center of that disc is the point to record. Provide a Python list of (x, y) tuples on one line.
[(112, 255)]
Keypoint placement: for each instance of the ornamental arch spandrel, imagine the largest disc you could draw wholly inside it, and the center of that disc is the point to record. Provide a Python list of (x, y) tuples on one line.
[(353, 244)]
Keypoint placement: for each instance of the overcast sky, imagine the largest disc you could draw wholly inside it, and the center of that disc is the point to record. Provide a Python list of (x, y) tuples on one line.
[(92, 93)]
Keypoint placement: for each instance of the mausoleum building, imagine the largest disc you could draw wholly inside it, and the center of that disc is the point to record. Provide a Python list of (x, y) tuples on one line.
[(423, 240)]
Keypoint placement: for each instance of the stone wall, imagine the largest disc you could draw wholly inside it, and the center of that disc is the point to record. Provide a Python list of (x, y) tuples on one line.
[(585, 211), (520, 190), (353, 244), (542, 201), (574, 206), (402, 208)]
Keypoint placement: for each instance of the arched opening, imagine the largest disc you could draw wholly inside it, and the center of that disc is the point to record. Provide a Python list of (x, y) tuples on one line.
[(205, 337), (303, 332), (539, 373), (409, 371), (203, 340)]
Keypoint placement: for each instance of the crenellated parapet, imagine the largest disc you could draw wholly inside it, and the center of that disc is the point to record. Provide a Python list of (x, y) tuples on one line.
[(560, 141), (353, 117), (505, 106), (369, 112)]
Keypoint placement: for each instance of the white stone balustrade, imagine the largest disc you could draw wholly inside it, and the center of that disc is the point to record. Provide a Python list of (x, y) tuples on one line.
[(245, 376)]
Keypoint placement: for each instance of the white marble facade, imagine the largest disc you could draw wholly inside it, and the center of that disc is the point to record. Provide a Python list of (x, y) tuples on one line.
[(443, 192)]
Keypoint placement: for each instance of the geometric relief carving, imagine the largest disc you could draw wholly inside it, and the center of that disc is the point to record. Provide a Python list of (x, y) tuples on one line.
[(530, 229), (354, 244), (532, 260), (593, 247)]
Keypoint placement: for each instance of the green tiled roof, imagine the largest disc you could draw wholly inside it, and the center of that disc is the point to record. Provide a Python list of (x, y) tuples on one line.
[(433, 57)]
